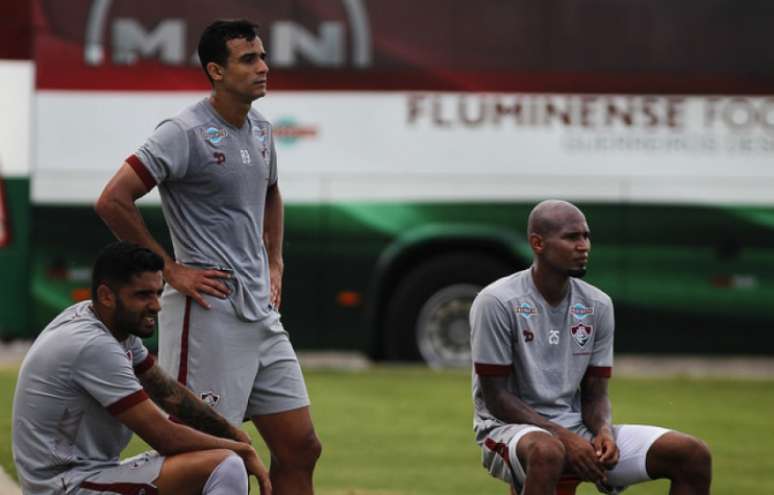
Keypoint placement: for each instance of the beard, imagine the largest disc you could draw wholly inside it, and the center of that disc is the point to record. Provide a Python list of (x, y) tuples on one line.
[(577, 273), (129, 323)]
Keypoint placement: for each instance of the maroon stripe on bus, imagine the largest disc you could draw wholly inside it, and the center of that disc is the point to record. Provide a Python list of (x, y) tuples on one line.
[(121, 488), (182, 374)]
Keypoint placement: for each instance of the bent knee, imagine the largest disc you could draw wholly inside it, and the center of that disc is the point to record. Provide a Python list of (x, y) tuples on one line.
[(678, 455), (301, 454), (547, 453)]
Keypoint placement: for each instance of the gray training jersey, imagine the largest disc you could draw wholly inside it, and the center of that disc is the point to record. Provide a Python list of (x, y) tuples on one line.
[(73, 381), (544, 351), (213, 179)]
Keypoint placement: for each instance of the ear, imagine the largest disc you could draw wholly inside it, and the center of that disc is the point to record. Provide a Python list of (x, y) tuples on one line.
[(105, 296), (215, 71), (536, 242)]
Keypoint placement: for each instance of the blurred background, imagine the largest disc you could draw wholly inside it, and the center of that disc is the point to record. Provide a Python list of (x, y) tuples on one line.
[(413, 139)]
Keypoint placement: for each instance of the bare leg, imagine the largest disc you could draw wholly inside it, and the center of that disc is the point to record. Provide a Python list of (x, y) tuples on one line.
[(186, 474), (294, 448), (542, 456), (686, 461)]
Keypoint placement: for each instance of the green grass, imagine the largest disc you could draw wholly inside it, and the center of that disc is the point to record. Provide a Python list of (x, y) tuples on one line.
[(404, 430)]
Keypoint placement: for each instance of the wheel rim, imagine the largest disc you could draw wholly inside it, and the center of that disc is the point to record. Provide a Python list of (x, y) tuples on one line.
[(443, 327)]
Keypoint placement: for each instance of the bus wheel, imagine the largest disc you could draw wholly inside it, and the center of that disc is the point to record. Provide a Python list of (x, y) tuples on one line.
[(427, 317)]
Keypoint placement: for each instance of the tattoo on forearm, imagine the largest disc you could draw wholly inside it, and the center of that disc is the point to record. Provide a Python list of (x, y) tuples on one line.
[(180, 402)]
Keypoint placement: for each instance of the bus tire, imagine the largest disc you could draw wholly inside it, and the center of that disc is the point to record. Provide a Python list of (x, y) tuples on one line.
[(427, 315)]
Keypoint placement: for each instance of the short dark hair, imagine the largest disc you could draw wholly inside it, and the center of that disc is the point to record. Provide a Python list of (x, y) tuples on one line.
[(119, 261), (212, 44)]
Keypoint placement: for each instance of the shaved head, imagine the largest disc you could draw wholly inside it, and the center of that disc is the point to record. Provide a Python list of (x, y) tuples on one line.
[(550, 215)]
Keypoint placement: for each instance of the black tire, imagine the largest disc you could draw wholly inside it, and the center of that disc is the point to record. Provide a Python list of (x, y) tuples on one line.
[(427, 315)]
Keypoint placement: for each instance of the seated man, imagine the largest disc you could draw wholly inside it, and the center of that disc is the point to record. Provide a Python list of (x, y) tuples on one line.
[(83, 389), (542, 343)]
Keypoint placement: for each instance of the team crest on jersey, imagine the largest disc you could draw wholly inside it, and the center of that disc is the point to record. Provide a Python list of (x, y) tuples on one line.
[(529, 335), (580, 312), (581, 333), (214, 135), (210, 398), (526, 310)]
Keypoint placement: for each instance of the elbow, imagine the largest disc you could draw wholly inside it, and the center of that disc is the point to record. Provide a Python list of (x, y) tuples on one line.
[(103, 205)]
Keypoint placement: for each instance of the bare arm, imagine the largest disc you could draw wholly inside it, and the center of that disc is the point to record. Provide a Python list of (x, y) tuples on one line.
[(273, 233), (170, 438), (507, 407), (116, 206), (597, 416), (180, 402)]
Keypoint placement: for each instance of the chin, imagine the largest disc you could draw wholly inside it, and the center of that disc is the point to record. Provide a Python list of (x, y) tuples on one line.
[(577, 273)]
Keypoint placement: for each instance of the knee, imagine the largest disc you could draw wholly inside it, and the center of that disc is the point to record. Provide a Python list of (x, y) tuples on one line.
[(682, 457), (546, 456), (302, 454), (697, 460)]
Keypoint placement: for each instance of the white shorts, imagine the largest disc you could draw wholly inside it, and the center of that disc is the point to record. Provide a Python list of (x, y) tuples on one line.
[(633, 441), (134, 475), (241, 368)]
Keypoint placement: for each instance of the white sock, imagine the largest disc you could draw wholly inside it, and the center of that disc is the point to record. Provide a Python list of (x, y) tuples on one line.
[(228, 478)]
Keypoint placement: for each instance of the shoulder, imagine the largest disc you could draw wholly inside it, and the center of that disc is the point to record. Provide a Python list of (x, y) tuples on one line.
[(591, 293), (257, 117), (507, 288)]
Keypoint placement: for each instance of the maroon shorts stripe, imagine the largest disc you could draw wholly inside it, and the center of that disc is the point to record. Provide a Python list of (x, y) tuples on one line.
[(498, 447), (121, 488), (141, 171), (492, 369), (127, 402), (182, 373), (145, 365), (600, 371)]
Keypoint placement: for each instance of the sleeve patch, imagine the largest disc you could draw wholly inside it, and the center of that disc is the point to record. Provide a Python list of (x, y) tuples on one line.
[(492, 369), (141, 171), (145, 365), (127, 402), (600, 371)]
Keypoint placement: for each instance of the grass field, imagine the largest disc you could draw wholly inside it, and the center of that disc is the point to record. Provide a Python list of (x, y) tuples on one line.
[(404, 430)]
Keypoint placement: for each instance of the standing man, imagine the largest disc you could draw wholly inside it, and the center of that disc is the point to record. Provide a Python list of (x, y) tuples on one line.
[(542, 343), (83, 389), (220, 331)]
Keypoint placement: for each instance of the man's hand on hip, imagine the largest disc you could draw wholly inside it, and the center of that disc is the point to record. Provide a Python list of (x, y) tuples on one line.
[(194, 282)]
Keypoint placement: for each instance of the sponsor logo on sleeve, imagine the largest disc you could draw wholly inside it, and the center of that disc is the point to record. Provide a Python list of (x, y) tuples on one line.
[(581, 333), (526, 310), (580, 312)]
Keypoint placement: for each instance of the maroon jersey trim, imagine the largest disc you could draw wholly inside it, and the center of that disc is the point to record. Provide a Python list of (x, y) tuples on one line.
[(141, 171), (492, 369), (127, 402)]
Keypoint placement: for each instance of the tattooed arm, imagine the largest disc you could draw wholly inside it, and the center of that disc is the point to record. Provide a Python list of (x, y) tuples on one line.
[(181, 403)]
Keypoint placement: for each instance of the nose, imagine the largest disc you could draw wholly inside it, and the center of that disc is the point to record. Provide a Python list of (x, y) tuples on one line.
[(155, 305)]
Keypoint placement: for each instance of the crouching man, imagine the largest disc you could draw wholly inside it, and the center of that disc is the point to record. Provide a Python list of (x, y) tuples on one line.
[(83, 389)]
